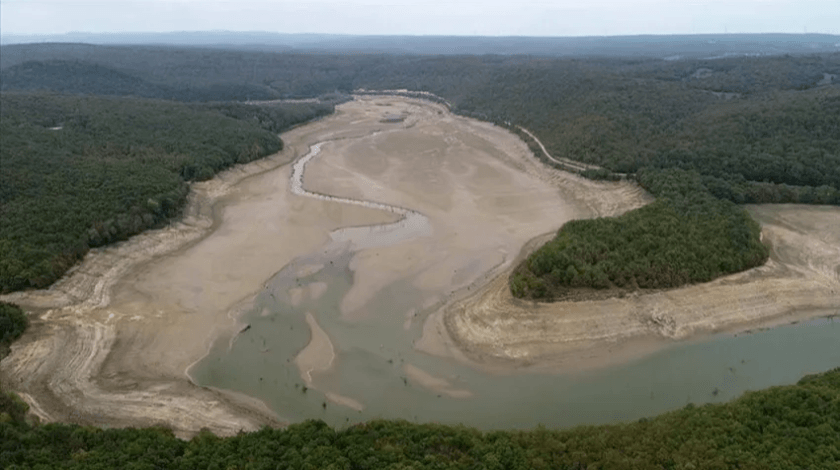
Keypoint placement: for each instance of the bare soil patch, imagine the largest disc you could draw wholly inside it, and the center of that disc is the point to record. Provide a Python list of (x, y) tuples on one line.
[(113, 340), (800, 281), (116, 335)]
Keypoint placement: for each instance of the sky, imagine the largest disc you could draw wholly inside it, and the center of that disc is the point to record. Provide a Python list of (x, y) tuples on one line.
[(424, 17)]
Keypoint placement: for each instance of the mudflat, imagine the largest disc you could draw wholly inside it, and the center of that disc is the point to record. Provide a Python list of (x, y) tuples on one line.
[(115, 338), (800, 281)]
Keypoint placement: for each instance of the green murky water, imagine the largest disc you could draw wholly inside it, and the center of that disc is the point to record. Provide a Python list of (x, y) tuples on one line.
[(370, 355)]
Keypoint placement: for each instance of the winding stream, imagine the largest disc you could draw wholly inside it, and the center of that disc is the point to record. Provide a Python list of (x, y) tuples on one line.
[(411, 224), (376, 367)]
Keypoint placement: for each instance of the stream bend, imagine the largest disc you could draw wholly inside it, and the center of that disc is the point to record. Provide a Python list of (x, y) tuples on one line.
[(412, 224)]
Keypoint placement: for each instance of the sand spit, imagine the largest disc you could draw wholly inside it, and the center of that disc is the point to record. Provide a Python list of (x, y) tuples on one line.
[(318, 355), (801, 280), (344, 401), (309, 270), (436, 384)]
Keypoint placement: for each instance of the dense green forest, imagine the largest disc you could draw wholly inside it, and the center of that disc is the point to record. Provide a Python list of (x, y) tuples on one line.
[(696, 155), (748, 129), (702, 135), (787, 427), (686, 236), (80, 172), (13, 322), (81, 77), (744, 121)]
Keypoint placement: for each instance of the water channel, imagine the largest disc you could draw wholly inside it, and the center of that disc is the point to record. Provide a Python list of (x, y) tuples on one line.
[(371, 355)]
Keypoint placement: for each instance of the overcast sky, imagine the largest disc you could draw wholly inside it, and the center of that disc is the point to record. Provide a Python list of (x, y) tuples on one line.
[(413, 17)]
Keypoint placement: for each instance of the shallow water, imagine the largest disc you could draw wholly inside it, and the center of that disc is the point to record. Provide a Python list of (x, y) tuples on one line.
[(412, 224), (370, 355)]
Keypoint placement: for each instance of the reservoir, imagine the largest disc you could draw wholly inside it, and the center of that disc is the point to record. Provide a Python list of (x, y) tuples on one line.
[(361, 273), (370, 358), (373, 371)]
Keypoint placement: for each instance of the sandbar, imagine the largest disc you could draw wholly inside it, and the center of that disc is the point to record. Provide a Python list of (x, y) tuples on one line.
[(318, 355)]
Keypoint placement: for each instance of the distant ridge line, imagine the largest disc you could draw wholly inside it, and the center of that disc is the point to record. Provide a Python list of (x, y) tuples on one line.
[(643, 45)]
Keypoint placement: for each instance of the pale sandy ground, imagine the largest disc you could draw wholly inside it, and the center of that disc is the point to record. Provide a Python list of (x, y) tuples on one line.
[(801, 280), (482, 190), (117, 335), (484, 193), (318, 355), (436, 384)]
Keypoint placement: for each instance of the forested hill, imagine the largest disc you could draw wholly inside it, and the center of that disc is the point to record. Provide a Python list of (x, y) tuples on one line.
[(790, 427), (742, 129), (758, 129), (81, 171), (650, 46), (79, 77), (700, 134)]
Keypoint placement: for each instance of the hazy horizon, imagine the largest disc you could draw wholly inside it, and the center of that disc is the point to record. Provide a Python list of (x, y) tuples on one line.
[(257, 33), (536, 18)]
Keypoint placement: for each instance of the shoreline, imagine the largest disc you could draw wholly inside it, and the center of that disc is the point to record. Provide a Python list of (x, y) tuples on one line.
[(82, 299), (111, 318), (88, 287), (809, 293)]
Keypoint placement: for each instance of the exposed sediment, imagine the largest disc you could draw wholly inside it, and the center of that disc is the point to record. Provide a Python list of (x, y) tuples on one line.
[(799, 281), (113, 339), (57, 366)]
